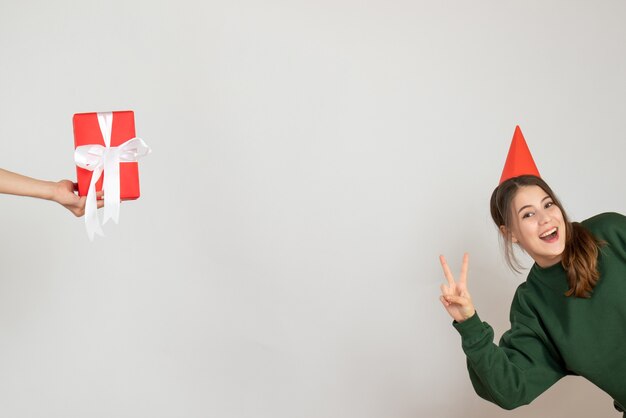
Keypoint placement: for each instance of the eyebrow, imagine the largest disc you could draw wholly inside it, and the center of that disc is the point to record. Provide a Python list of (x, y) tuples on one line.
[(530, 206)]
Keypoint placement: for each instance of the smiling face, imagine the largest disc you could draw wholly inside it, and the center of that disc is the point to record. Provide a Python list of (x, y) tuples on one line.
[(537, 225)]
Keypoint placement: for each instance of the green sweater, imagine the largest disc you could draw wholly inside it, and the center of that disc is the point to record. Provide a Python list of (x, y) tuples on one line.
[(552, 335)]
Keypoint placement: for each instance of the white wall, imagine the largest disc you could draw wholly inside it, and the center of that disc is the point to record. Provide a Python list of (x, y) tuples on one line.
[(311, 160)]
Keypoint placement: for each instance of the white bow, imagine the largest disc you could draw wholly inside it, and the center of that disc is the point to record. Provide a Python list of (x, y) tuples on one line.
[(98, 158)]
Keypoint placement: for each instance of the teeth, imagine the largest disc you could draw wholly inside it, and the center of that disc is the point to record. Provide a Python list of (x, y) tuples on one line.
[(545, 234)]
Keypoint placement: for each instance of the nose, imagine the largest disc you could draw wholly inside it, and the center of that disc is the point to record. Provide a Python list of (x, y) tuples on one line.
[(544, 217)]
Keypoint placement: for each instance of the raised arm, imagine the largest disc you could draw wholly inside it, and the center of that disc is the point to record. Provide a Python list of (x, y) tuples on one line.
[(517, 370)]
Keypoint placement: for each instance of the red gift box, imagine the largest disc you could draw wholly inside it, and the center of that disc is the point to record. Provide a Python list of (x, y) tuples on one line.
[(87, 132)]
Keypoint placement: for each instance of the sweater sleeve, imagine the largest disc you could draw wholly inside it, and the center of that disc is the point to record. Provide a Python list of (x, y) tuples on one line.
[(514, 372)]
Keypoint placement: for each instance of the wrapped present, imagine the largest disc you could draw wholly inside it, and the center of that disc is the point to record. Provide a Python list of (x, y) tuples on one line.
[(106, 154)]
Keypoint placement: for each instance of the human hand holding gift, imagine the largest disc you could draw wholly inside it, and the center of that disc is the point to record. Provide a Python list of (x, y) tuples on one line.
[(106, 157), (64, 194)]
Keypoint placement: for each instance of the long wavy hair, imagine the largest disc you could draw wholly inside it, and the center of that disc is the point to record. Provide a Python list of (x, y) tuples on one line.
[(580, 256)]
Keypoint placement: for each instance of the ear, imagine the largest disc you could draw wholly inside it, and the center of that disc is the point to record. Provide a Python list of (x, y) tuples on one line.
[(505, 234)]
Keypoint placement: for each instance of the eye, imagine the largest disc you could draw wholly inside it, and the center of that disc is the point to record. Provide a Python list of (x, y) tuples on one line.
[(548, 204), (527, 215)]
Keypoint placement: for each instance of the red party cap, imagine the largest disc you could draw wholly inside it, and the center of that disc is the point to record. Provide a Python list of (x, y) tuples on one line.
[(519, 161)]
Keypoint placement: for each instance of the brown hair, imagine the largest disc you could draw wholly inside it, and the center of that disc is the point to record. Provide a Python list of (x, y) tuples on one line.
[(580, 257)]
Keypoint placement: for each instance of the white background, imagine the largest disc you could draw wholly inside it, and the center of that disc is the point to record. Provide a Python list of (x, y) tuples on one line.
[(310, 162)]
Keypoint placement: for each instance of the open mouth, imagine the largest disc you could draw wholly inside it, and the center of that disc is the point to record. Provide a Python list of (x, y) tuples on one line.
[(550, 235)]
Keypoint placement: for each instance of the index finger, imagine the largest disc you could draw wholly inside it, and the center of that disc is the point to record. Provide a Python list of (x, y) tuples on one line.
[(446, 270)]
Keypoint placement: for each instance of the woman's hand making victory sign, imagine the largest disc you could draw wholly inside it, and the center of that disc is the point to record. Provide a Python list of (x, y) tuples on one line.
[(454, 295)]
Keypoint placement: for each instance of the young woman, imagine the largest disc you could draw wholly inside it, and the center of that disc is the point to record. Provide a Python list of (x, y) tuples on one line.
[(61, 192), (568, 318)]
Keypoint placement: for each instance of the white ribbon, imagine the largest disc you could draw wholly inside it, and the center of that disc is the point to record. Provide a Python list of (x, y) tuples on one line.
[(98, 158)]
